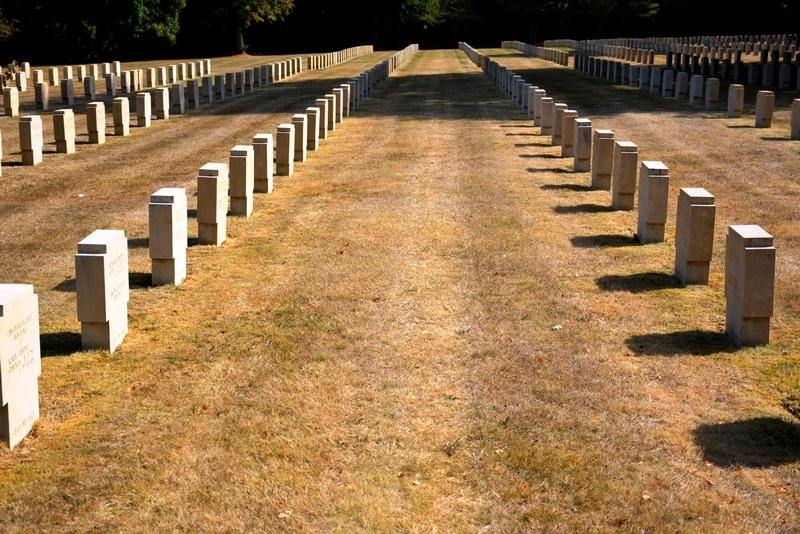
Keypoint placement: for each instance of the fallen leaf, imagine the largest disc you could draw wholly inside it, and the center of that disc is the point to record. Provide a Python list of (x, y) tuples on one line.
[(280, 503), (524, 486), (265, 433), (401, 474), (540, 359), (621, 520), (708, 483), (205, 407)]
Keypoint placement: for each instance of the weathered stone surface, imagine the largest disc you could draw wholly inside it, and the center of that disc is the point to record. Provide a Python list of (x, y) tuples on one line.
[(262, 163), (582, 136), (300, 122), (31, 139), (735, 100), (96, 122), (64, 130), (653, 196), (322, 105), (284, 160), (602, 159), (212, 204), (144, 110), (765, 107), (241, 175), (161, 97), (694, 235), (623, 183), (168, 236), (313, 115), (122, 116)]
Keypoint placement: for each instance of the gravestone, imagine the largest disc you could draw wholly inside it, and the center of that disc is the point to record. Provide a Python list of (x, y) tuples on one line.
[(623, 183), (161, 97), (122, 116), (602, 159), (11, 101), (241, 175), (644, 78), (322, 105), (198, 66), (193, 94), (212, 204), (558, 123), (262, 163), (568, 134), (256, 77), (191, 71), (168, 236), (38, 77), (64, 130), (538, 95), (125, 82), (582, 136), (81, 73), (795, 124), (230, 84), (696, 90), (313, 128), (67, 92), (300, 122), (94, 71), (653, 196), (239, 87), (42, 96), (681, 85), (735, 100), (116, 68), (338, 105), (151, 78), (694, 235), (667, 82), (248, 80), (284, 158), (331, 111), (22, 82), (219, 87), (749, 284), (207, 90), (633, 75), (96, 122), (765, 106), (111, 84), (20, 362), (655, 80), (177, 99), (712, 94), (101, 281), (207, 66), (548, 116), (182, 72), (161, 75), (89, 90), (347, 97), (31, 139), (144, 110)]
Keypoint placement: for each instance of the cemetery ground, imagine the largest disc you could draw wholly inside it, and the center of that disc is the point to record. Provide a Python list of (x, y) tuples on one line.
[(433, 325)]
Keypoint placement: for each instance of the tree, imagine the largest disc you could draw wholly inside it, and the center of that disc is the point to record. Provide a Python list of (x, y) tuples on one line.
[(236, 15), (7, 28)]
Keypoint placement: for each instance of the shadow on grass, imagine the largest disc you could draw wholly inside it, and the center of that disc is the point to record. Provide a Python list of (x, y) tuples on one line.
[(524, 145), (739, 126), (191, 214), (637, 283), (776, 139), (516, 125), (696, 342), (567, 187), (67, 286), (549, 169), (139, 242), (139, 280), (605, 240), (547, 156), (531, 135), (59, 343), (582, 208), (759, 442)]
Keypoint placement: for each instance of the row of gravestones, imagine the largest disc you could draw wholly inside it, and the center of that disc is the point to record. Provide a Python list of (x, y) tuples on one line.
[(162, 100), (321, 61), (101, 264), (749, 255), (667, 83), (747, 43), (558, 57)]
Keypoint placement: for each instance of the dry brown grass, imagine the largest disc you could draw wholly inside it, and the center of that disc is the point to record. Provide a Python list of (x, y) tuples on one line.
[(373, 350)]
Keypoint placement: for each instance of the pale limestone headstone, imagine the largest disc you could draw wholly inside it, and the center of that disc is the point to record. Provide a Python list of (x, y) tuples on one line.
[(583, 145), (106, 68), (339, 103), (191, 71), (696, 90), (22, 82), (20, 362), (151, 79), (177, 99), (67, 92), (66, 73), (655, 80), (256, 77), (300, 122), (644, 77), (64, 130), (11, 101), (548, 116), (558, 123), (122, 116), (200, 69), (602, 159), (207, 66), (94, 71), (193, 94), (735, 100), (81, 72), (182, 72), (96, 122), (125, 82), (694, 235), (241, 178), (346, 99), (623, 183), (144, 110), (313, 128), (331, 111), (208, 90), (322, 105), (749, 284), (538, 95), (111, 84), (239, 87), (101, 279), (161, 75), (653, 196), (31, 139), (667, 83), (116, 68), (161, 97), (765, 107), (795, 125), (42, 96), (38, 77), (568, 134), (712, 94), (168, 236), (681, 85), (284, 157), (212, 204), (248, 80), (219, 87), (89, 90), (262, 163)]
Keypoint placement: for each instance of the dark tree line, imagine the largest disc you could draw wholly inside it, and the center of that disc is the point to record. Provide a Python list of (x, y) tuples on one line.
[(44, 31)]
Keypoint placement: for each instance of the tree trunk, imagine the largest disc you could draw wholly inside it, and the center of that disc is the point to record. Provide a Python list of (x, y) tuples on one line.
[(238, 40)]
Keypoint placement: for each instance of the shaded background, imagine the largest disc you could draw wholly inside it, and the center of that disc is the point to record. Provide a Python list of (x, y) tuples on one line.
[(45, 31)]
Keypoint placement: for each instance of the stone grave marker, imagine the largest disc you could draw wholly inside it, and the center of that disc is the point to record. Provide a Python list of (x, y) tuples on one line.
[(144, 110), (177, 99), (623, 183), (313, 128), (89, 90), (694, 235), (582, 136), (111, 84), (653, 196), (241, 165), (96, 122), (193, 94), (602, 159), (765, 107), (11, 101), (31, 139), (161, 97), (42, 96), (548, 116), (322, 105), (168, 236), (284, 160), (300, 122), (262, 163), (64, 130), (712, 94), (735, 100), (212, 204), (568, 134), (331, 112), (122, 116), (67, 92)]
